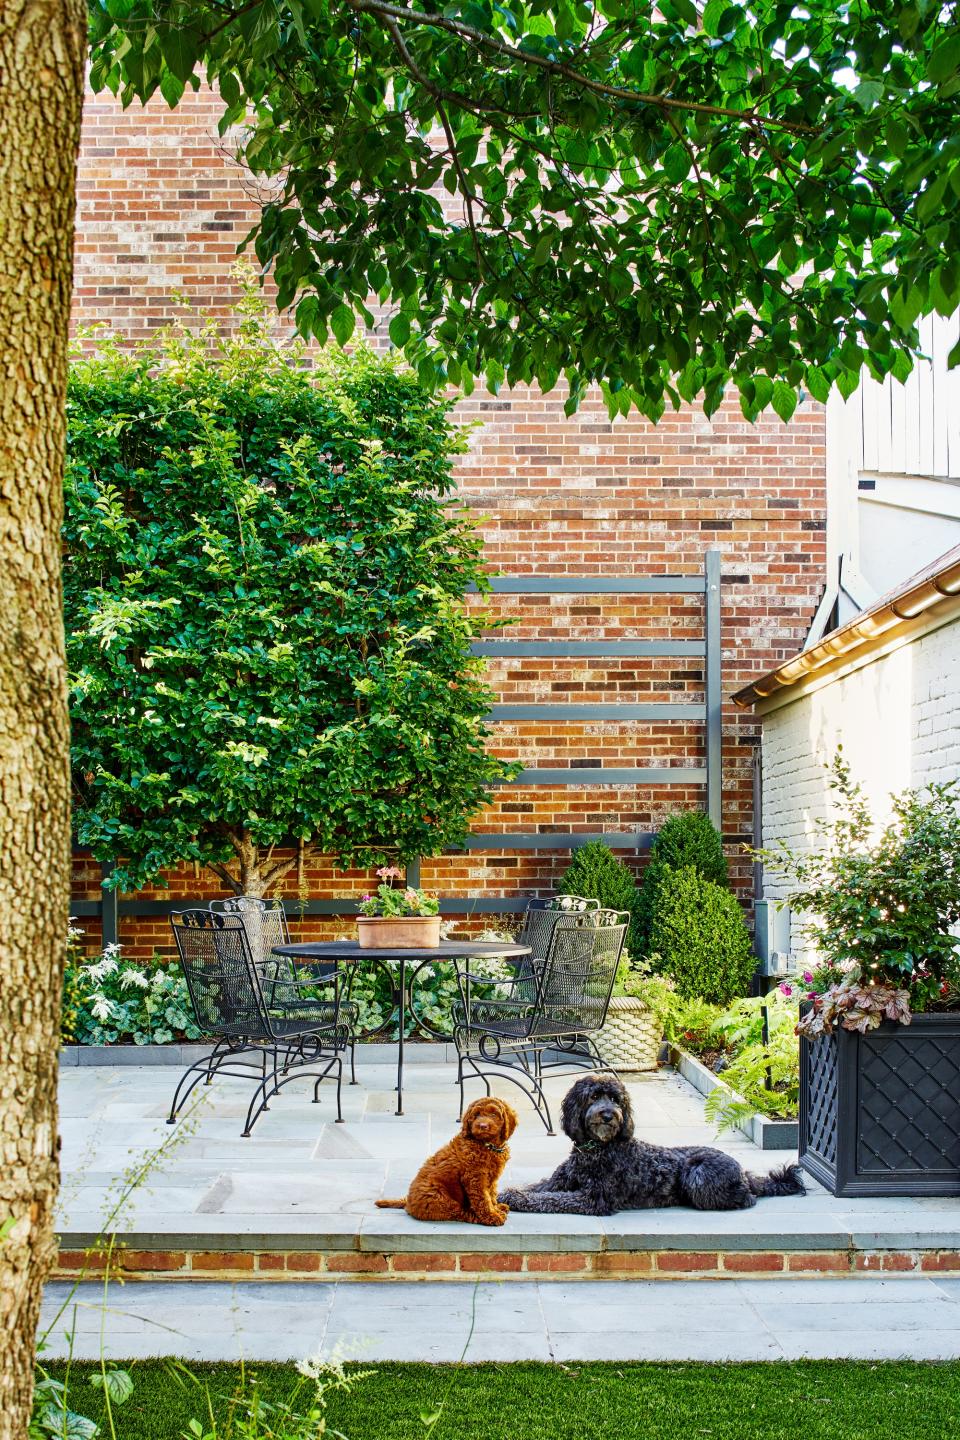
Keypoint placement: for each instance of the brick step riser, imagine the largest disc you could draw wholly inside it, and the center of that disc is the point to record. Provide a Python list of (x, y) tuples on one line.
[(277, 1265)]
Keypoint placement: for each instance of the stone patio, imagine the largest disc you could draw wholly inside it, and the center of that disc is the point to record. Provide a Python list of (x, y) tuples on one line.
[(221, 1220), (296, 1199)]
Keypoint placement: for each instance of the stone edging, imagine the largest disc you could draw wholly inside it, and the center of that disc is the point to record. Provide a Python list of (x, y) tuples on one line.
[(415, 1052), (765, 1133), (342, 1265)]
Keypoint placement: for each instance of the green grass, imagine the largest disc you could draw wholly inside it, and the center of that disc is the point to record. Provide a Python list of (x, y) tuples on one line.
[(809, 1400)]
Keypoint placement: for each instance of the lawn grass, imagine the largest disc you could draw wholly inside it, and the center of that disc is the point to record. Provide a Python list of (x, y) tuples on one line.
[(808, 1400)]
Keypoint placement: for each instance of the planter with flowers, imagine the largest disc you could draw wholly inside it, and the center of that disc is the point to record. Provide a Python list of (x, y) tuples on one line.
[(880, 1025), (398, 917)]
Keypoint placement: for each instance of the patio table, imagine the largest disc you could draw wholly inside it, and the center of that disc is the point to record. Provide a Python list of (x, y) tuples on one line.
[(350, 953)]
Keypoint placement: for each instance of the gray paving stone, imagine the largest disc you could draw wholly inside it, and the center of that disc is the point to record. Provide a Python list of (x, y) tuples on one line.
[(304, 1175)]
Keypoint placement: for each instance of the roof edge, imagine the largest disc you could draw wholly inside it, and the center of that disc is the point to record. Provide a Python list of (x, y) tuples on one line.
[(919, 596)]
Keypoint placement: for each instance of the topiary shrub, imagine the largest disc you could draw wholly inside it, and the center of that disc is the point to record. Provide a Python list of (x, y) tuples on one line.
[(687, 839), (701, 938), (597, 874)]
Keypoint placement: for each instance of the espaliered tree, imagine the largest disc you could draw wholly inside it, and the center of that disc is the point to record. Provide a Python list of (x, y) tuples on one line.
[(664, 196), (267, 633)]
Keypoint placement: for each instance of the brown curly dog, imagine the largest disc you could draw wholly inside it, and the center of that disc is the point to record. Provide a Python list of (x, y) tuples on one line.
[(459, 1182)]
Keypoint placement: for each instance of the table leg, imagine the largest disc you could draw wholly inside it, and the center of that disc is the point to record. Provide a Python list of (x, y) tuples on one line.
[(403, 1027)]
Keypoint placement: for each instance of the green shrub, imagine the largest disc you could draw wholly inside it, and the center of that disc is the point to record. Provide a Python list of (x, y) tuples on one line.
[(701, 937), (597, 874), (686, 839)]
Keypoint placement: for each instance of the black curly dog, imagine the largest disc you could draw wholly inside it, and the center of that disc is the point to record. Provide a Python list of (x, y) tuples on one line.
[(608, 1170)]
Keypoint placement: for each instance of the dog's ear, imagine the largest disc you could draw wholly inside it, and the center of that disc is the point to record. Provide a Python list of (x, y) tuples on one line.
[(469, 1115), (623, 1100), (509, 1119), (572, 1110)]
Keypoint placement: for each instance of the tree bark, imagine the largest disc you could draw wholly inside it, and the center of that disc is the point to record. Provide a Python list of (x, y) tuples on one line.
[(42, 45)]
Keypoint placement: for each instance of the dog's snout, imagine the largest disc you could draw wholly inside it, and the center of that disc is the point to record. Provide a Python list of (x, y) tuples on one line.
[(607, 1113)]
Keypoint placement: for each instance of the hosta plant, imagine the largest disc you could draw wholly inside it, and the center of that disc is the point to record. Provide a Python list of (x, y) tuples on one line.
[(112, 1001)]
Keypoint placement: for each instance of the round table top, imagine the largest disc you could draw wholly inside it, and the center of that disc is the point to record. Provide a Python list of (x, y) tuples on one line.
[(351, 950)]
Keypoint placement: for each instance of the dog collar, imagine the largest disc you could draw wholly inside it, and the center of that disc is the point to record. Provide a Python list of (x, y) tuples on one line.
[(587, 1146), (489, 1145)]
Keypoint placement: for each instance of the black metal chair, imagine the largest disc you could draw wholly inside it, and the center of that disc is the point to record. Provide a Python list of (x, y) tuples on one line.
[(263, 1023), (265, 922), (543, 1020), (539, 920)]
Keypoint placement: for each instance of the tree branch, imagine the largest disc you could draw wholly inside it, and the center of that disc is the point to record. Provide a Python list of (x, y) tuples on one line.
[(753, 117), (222, 873)]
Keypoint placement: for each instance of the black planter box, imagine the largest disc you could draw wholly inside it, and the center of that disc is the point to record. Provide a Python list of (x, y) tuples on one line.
[(880, 1113)]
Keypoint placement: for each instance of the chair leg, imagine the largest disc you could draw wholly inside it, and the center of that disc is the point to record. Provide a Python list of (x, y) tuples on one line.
[(353, 1061), (205, 1070), (254, 1111), (530, 1086), (336, 1063)]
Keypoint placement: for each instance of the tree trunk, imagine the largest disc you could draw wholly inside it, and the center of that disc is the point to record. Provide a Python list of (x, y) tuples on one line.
[(42, 46)]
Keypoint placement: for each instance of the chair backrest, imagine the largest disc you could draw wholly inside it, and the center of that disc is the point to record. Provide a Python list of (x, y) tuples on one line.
[(264, 921), (577, 978), (542, 915), (218, 967)]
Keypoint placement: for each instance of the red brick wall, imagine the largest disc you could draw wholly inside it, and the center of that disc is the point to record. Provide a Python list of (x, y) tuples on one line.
[(162, 209)]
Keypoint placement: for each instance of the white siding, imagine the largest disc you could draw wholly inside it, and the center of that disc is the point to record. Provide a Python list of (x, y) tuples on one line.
[(897, 720)]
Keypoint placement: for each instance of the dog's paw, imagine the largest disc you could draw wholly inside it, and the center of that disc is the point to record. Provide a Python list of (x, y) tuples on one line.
[(503, 1211)]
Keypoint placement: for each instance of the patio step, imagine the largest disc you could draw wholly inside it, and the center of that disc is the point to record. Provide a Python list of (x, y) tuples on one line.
[(441, 1253)]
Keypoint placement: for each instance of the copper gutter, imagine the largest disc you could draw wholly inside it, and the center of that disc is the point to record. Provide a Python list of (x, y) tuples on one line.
[(920, 594)]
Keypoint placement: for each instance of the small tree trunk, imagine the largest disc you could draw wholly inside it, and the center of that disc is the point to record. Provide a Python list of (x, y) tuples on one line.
[(252, 881), (42, 45)]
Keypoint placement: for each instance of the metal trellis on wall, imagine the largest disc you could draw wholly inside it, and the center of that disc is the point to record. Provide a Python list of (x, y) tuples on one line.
[(110, 909)]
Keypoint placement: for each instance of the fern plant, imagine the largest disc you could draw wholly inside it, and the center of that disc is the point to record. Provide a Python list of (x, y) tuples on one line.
[(763, 1074)]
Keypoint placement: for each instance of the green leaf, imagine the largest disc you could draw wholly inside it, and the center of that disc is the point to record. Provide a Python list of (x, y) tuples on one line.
[(171, 88), (676, 162), (399, 331), (342, 323), (945, 60), (784, 400), (180, 46), (117, 1384)]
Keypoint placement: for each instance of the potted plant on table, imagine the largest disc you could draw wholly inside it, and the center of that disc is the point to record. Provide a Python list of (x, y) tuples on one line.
[(395, 918), (880, 1029)]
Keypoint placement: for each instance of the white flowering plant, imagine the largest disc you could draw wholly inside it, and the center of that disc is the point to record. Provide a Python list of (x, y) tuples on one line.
[(112, 1001)]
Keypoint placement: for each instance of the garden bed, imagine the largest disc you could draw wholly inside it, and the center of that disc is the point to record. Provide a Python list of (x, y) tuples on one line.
[(766, 1133)]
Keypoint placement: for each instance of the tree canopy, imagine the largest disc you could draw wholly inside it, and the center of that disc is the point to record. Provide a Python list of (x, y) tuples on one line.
[(660, 195), (267, 632)]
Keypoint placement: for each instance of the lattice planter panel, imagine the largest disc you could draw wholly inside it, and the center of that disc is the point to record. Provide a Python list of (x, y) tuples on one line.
[(880, 1113), (631, 1036)]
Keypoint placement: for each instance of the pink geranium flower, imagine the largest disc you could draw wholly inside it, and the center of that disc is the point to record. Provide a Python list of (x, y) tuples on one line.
[(389, 872), (786, 989)]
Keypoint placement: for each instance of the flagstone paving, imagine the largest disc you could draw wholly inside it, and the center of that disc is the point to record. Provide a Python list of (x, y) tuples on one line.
[(864, 1318), (302, 1177)]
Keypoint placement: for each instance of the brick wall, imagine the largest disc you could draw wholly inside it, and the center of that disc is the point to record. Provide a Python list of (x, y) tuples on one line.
[(162, 208), (895, 717)]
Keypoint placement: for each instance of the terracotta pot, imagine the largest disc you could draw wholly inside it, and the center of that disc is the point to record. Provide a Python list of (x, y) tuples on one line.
[(408, 932)]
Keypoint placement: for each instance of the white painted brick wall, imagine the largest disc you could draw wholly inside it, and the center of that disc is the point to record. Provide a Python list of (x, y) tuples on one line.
[(898, 720)]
